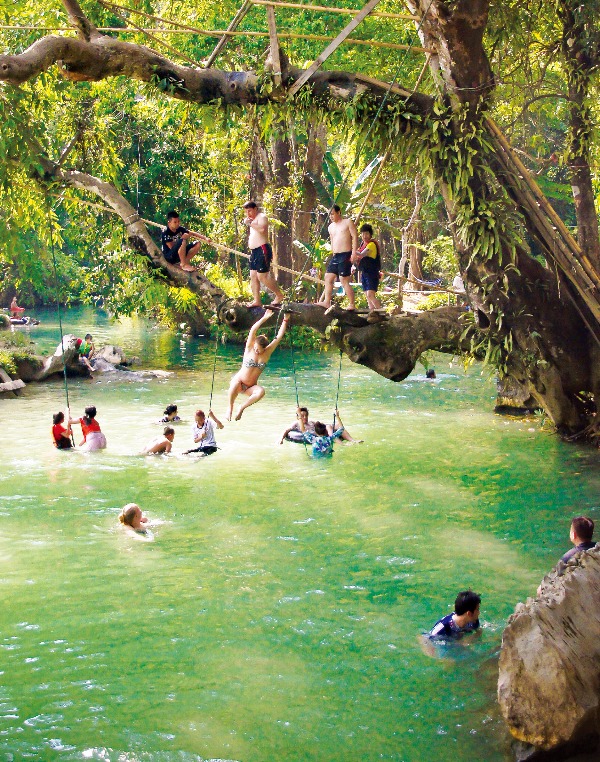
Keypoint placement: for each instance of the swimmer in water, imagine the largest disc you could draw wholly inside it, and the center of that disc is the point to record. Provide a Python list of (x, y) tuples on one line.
[(170, 415), (131, 516), (256, 356), (93, 438), (161, 445)]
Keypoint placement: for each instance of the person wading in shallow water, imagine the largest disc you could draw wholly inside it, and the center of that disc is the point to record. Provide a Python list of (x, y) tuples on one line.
[(260, 255), (256, 356), (344, 245)]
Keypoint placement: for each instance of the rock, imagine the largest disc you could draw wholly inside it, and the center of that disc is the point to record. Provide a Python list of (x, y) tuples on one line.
[(55, 363), (112, 354), (514, 397), (4, 322), (549, 679)]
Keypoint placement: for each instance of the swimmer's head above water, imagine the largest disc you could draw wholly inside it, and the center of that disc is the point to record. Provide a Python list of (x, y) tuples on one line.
[(132, 516)]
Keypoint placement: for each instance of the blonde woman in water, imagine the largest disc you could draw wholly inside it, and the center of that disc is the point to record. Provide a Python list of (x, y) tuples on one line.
[(256, 356)]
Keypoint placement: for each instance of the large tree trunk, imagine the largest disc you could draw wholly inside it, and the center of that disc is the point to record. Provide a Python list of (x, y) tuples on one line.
[(282, 233)]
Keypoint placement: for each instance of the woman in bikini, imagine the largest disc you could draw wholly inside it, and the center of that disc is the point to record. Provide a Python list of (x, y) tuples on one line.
[(256, 355)]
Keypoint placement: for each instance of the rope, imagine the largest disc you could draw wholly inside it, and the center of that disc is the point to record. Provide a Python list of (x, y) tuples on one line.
[(212, 386), (337, 394), (304, 442), (62, 346)]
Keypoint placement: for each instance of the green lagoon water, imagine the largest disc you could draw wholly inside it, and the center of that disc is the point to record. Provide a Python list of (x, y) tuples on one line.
[(276, 614)]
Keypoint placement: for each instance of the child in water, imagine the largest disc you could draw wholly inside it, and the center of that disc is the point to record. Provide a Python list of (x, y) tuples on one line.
[(93, 438), (170, 415), (161, 445), (61, 436), (131, 516), (203, 432)]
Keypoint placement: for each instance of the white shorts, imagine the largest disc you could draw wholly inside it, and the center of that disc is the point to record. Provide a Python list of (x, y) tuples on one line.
[(95, 440)]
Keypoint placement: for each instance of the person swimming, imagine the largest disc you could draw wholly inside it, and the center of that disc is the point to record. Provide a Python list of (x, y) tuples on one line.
[(61, 436), (93, 438), (131, 516), (170, 415), (257, 353), (161, 445)]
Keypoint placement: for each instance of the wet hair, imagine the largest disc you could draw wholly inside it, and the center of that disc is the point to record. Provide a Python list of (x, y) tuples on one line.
[(465, 601), (90, 412), (250, 205), (58, 418), (168, 431), (170, 409), (430, 373), (303, 410), (199, 414), (87, 336), (262, 341), (366, 229), (336, 208), (583, 527), (172, 215), (320, 429), (127, 514)]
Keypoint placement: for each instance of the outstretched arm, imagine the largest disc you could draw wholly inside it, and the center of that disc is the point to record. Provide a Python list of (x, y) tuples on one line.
[(215, 419), (280, 334), (254, 330), (354, 236)]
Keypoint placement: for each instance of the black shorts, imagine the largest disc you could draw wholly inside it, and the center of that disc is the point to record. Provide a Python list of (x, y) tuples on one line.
[(260, 258), (340, 264), (369, 280), (208, 450), (172, 255)]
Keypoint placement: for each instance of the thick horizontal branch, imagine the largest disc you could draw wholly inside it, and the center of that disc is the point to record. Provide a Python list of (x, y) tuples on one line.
[(389, 346), (104, 57)]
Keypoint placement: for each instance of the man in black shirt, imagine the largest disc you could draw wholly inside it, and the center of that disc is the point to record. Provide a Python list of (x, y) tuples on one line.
[(582, 530), (176, 246)]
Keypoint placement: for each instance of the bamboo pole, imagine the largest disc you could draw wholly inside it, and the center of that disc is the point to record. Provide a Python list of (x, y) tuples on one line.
[(333, 46), (370, 190), (231, 28), (524, 175), (274, 42), (220, 32), (307, 7), (209, 241)]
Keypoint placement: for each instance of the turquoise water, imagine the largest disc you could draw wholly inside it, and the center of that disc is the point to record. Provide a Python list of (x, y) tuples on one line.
[(276, 613)]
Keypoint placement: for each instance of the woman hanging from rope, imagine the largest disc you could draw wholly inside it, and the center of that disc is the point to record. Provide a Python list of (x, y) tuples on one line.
[(256, 356)]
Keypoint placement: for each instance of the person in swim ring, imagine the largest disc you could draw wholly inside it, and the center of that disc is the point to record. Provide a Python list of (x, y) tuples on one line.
[(93, 438), (256, 356), (61, 436), (295, 432), (131, 516)]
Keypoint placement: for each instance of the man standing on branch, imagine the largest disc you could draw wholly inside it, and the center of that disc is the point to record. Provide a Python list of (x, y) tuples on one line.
[(176, 246), (344, 245), (261, 255)]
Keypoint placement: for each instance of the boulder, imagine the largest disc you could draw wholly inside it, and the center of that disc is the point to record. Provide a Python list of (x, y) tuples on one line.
[(112, 354), (549, 669)]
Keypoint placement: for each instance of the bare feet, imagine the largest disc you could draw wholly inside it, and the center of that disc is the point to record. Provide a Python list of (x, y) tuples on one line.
[(239, 415), (189, 268), (253, 304), (323, 304)]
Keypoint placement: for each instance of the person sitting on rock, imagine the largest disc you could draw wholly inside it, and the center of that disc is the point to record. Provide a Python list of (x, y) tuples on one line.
[(464, 618), (15, 310), (85, 349), (161, 445), (582, 531)]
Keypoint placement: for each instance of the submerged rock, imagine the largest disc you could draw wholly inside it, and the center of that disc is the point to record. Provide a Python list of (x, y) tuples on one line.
[(549, 681)]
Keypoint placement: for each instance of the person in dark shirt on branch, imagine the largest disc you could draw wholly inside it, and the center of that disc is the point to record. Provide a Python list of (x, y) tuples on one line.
[(176, 246)]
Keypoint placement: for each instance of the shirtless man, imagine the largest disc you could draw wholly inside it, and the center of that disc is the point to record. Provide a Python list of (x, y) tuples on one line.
[(260, 255), (344, 244)]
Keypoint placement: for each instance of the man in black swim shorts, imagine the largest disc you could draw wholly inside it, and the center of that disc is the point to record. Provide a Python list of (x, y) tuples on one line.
[(344, 244), (260, 255)]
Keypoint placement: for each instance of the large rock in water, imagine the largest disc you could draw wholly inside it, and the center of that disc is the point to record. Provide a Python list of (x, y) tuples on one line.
[(549, 682)]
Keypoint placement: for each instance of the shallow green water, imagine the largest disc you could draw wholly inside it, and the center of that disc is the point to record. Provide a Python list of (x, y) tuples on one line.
[(276, 614)]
